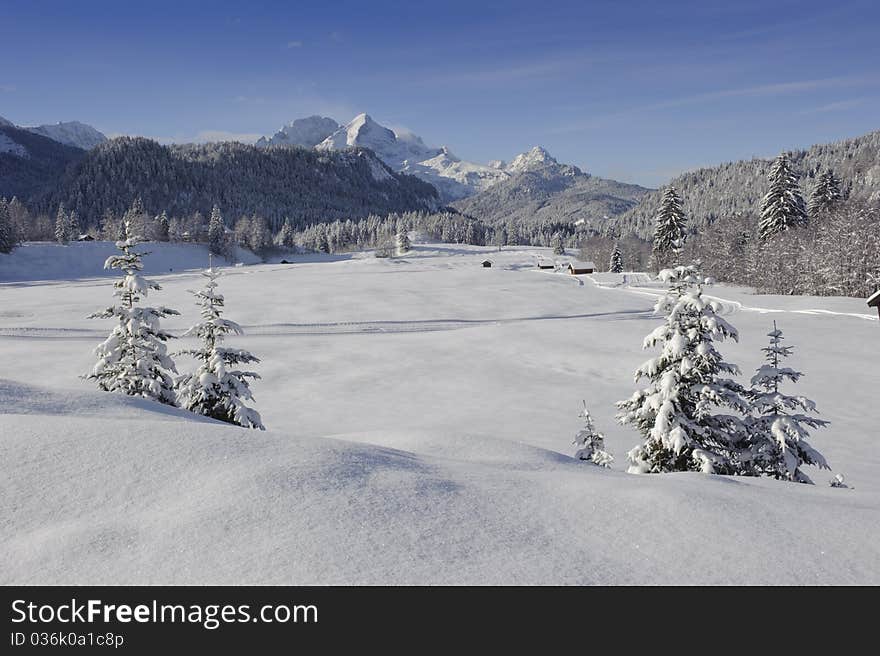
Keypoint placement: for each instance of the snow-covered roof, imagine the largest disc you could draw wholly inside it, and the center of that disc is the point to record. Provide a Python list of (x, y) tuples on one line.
[(874, 299), (580, 265)]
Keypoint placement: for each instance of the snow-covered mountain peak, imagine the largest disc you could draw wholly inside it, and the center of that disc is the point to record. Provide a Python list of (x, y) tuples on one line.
[(5, 123), (362, 131), (535, 158), (307, 132), (71, 133)]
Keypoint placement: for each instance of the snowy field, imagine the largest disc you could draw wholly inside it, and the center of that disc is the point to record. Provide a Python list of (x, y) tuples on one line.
[(420, 413)]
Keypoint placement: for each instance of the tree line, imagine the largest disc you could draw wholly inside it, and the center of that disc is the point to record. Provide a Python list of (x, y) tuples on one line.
[(786, 245)]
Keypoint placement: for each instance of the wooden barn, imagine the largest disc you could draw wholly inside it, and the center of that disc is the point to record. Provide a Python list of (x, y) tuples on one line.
[(545, 265), (487, 264), (581, 268), (874, 301)]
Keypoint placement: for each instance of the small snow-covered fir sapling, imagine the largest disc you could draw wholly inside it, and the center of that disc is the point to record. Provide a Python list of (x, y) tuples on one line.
[(403, 242), (616, 264), (218, 388), (778, 446), (591, 443), (838, 481), (134, 359), (687, 382)]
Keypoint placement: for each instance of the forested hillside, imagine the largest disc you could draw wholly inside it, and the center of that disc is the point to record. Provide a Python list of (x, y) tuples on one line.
[(31, 164), (736, 188), (274, 183)]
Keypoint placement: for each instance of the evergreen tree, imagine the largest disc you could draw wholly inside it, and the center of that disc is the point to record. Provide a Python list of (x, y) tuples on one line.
[(260, 238), (133, 359), (403, 243), (218, 388), (20, 219), (782, 208), (62, 225), (137, 218), (778, 443), (616, 265), (163, 227), (558, 246), (216, 233), (8, 239), (826, 194), (73, 226), (591, 443), (675, 413), (286, 236), (669, 229)]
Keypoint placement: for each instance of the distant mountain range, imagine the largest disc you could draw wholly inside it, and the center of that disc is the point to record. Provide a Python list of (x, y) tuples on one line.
[(74, 163), (531, 188), (403, 151), (538, 188)]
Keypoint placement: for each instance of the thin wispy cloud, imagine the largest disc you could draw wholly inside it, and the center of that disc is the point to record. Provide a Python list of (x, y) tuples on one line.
[(294, 44), (504, 74), (762, 90), (7, 88), (251, 100), (776, 89), (839, 106)]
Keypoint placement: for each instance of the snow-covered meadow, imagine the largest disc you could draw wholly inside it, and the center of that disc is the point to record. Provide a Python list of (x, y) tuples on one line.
[(420, 412)]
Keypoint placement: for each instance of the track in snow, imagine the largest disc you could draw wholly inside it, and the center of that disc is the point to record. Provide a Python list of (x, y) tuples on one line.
[(337, 327), (731, 307)]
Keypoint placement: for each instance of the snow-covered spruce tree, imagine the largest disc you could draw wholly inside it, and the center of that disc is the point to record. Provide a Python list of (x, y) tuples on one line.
[(163, 227), (825, 194), (286, 236), (403, 243), (218, 388), (778, 434), (134, 359), (669, 229), (73, 226), (591, 443), (676, 412), (616, 264), (782, 208), (216, 233), (558, 246), (62, 225)]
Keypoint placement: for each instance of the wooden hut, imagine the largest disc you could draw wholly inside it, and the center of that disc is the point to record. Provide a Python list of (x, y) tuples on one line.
[(487, 264), (580, 268), (874, 301)]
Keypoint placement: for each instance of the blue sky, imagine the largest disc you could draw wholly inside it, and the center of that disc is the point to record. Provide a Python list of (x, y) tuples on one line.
[(637, 91)]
